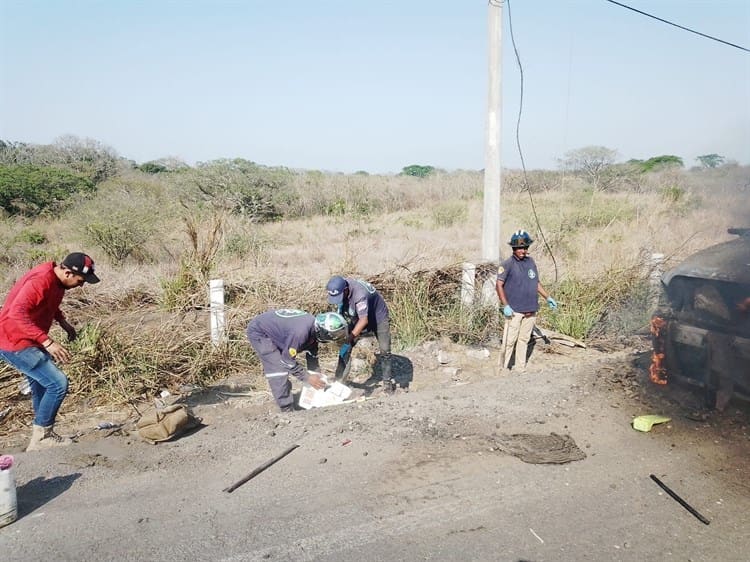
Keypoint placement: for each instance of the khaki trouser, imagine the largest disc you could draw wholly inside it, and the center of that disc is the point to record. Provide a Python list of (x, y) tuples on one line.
[(516, 335)]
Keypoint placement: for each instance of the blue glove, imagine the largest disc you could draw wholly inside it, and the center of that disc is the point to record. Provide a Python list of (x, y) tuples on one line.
[(552, 303), (508, 311), (344, 349)]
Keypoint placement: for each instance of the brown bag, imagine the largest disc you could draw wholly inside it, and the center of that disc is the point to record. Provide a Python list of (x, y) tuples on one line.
[(165, 423)]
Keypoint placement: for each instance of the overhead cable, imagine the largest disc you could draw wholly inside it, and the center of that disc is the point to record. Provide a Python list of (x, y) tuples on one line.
[(679, 26), (518, 145)]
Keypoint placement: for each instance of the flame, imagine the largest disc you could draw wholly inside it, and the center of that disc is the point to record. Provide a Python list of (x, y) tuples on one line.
[(657, 371)]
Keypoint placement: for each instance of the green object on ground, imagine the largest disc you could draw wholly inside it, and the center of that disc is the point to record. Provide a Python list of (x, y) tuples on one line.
[(645, 423)]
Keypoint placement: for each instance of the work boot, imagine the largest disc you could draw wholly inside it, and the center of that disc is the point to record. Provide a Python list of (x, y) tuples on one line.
[(45, 438)]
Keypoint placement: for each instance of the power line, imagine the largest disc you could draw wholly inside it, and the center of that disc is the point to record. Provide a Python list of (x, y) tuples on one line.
[(518, 143), (679, 26)]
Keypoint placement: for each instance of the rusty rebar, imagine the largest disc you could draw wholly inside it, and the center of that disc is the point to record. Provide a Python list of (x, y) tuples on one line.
[(679, 500), (260, 469)]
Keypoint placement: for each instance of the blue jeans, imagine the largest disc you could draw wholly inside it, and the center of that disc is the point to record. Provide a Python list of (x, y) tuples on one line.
[(49, 385)]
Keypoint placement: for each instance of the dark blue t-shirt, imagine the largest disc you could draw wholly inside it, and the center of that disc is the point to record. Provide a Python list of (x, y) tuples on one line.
[(364, 301), (290, 330), (520, 282)]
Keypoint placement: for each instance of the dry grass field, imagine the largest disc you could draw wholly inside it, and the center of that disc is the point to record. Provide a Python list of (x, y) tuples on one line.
[(158, 240)]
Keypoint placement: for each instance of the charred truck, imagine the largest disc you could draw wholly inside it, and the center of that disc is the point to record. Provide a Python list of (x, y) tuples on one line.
[(701, 328)]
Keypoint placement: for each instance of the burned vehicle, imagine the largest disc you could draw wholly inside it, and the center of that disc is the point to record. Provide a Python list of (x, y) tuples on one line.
[(701, 328)]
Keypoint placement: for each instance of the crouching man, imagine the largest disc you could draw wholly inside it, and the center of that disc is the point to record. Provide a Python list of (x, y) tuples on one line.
[(279, 337), (363, 305), (25, 320)]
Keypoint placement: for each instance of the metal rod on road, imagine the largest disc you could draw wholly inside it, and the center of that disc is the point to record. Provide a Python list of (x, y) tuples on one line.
[(260, 469), (682, 502)]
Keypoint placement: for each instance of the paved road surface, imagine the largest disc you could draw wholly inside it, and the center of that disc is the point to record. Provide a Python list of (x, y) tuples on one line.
[(421, 479)]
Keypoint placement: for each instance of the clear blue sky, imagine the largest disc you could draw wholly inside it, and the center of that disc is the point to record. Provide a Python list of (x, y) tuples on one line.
[(374, 85)]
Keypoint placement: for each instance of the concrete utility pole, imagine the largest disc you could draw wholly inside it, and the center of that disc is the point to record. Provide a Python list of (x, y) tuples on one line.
[(492, 170)]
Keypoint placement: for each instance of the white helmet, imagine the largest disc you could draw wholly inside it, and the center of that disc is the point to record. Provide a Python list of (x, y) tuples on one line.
[(331, 327)]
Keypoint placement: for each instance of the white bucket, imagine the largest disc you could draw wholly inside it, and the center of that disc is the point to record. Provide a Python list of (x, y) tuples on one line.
[(8, 503)]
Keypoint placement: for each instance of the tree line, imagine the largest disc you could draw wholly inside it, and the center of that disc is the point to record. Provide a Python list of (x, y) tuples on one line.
[(37, 179)]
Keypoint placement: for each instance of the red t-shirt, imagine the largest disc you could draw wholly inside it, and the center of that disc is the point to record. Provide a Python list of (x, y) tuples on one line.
[(30, 307)]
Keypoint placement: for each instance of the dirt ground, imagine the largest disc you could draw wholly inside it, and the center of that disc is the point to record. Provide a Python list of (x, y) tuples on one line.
[(435, 472)]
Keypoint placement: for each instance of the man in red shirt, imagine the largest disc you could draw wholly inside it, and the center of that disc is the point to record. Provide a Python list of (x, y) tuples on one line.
[(25, 320)]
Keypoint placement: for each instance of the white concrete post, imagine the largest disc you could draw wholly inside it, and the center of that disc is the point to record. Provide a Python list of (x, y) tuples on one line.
[(489, 295), (468, 273), (218, 322), (491, 214)]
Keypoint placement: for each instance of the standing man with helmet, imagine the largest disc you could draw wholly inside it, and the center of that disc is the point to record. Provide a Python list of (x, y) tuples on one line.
[(280, 336), (517, 288), (31, 306), (363, 306)]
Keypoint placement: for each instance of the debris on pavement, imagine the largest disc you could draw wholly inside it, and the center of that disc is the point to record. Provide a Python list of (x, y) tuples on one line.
[(679, 500), (335, 393), (645, 423), (540, 449), (260, 469)]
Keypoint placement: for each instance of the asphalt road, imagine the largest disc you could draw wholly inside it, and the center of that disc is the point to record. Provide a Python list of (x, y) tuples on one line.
[(417, 476)]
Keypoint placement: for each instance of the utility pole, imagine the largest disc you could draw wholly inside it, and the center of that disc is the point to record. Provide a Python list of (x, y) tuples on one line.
[(492, 170)]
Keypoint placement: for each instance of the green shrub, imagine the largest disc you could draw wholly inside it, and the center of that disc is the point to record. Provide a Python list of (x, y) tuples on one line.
[(595, 209), (658, 162), (251, 246), (336, 208), (577, 314), (672, 194), (34, 237), (152, 168), (409, 308), (85, 158), (239, 186), (448, 214), (412, 222), (417, 170), (467, 325), (429, 307), (119, 236), (583, 303), (29, 190), (125, 217), (187, 289), (183, 291)]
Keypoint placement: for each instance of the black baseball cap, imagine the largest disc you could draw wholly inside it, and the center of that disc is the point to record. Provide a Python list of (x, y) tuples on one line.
[(82, 264)]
